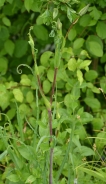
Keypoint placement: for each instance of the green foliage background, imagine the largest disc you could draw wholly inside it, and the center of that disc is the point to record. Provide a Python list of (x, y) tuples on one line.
[(80, 89)]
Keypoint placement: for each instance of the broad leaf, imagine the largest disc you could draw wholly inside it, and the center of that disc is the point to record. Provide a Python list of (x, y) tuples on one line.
[(92, 102), (13, 178), (84, 151), (72, 34), (28, 4), (94, 45), (100, 140), (3, 65), (29, 97), (6, 21), (97, 123), (103, 84), (30, 179), (86, 117), (101, 30), (26, 152), (85, 20), (2, 3), (78, 43), (95, 13), (91, 75), (80, 76), (46, 86), (84, 10), (4, 33), (41, 32), (9, 47), (44, 59), (93, 173), (72, 64), (21, 47), (18, 95)]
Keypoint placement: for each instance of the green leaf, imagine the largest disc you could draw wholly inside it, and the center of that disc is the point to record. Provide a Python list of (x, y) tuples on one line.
[(24, 110), (91, 75), (81, 132), (21, 47), (100, 140), (85, 151), (103, 58), (78, 43), (10, 1), (85, 20), (3, 65), (55, 13), (93, 88), (40, 32), (46, 86), (2, 3), (36, 6), (67, 53), (29, 97), (6, 21), (75, 92), (4, 97), (26, 152), (84, 10), (80, 76), (13, 178), (92, 102), (103, 17), (28, 4), (86, 117), (97, 123), (30, 179), (103, 84), (72, 34), (3, 155), (101, 30), (18, 95), (95, 13), (44, 59), (72, 64), (4, 33), (9, 47), (76, 141), (62, 75), (84, 64), (45, 137), (93, 173), (70, 101), (50, 75), (94, 45), (84, 54), (25, 80), (69, 15), (11, 113)]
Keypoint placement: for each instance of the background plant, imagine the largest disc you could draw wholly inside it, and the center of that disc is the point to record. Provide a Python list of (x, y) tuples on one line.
[(79, 105)]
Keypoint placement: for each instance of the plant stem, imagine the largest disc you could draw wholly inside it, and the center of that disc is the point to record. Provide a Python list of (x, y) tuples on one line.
[(54, 83), (50, 127), (51, 166), (75, 21)]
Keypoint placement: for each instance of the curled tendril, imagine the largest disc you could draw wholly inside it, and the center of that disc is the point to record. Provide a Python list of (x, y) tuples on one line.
[(45, 137), (19, 71)]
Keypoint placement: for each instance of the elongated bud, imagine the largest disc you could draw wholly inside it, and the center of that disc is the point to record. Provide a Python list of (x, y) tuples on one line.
[(84, 10), (59, 24)]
